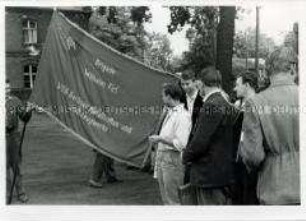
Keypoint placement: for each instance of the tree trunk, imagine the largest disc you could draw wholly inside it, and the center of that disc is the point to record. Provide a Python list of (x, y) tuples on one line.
[(225, 39)]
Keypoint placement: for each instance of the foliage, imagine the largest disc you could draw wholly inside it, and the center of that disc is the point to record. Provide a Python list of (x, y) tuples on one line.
[(121, 28), (210, 34), (202, 23), (244, 44), (158, 52)]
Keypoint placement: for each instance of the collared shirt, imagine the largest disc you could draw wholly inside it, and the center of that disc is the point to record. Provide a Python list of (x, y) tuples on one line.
[(217, 90), (176, 128), (190, 101)]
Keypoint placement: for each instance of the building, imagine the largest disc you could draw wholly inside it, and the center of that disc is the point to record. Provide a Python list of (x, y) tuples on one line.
[(25, 33)]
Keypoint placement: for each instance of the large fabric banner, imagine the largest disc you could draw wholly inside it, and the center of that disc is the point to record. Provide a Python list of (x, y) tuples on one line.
[(108, 100)]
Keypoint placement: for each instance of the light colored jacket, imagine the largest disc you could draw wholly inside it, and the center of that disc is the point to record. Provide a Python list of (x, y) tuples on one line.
[(270, 142)]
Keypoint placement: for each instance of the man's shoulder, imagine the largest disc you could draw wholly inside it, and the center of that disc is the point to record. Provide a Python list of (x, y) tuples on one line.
[(218, 99), (259, 97)]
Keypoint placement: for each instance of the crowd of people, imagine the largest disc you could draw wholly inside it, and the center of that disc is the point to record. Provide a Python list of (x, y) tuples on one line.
[(214, 151), (222, 153)]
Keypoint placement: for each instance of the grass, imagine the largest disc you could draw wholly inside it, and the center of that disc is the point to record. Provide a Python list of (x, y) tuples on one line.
[(57, 166)]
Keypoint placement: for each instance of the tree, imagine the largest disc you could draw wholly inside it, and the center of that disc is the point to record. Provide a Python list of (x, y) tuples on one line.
[(158, 52), (244, 42), (225, 39), (210, 35), (121, 28), (202, 23)]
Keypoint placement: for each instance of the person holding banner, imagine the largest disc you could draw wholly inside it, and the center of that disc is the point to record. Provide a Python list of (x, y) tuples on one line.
[(15, 110), (172, 139)]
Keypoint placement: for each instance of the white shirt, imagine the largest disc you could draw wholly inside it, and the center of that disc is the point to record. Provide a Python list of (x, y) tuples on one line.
[(190, 101), (176, 128)]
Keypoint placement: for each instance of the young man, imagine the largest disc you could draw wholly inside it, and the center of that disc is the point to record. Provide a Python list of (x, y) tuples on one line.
[(270, 133), (15, 110), (246, 86), (193, 102), (172, 139), (245, 188), (210, 152)]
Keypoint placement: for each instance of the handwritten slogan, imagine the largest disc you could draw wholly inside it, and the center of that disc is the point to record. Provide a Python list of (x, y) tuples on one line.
[(105, 98)]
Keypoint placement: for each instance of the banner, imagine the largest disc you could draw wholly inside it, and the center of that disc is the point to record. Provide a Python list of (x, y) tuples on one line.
[(108, 100)]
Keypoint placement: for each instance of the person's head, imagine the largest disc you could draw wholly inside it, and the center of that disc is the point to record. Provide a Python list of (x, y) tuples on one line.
[(209, 78), (282, 60), (246, 82), (172, 94), (7, 86), (188, 81)]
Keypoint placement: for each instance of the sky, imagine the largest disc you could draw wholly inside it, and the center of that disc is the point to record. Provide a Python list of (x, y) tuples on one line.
[(275, 21)]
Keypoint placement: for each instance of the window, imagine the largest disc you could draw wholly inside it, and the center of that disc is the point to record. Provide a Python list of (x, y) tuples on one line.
[(29, 28), (29, 74)]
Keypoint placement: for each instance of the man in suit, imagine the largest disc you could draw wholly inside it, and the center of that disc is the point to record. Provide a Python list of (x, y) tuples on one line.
[(210, 153), (270, 132), (193, 103)]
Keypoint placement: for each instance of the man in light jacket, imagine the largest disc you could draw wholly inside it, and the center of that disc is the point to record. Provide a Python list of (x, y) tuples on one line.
[(270, 133)]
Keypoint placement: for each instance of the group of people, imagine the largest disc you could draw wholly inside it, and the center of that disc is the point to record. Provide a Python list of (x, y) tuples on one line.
[(222, 153)]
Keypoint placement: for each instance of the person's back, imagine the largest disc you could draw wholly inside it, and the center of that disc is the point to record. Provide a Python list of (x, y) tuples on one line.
[(277, 108)]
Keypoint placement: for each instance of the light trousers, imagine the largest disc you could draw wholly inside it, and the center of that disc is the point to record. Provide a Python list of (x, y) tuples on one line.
[(170, 175)]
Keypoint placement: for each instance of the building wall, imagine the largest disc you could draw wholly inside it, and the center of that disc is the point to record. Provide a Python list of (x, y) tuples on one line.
[(17, 54), (16, 51)]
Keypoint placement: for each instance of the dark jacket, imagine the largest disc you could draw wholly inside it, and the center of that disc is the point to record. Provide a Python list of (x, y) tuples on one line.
[(197, 105), (211, 153), (15, 111)]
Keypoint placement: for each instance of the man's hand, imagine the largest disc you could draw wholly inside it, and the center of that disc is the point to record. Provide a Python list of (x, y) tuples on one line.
[(154, 139)]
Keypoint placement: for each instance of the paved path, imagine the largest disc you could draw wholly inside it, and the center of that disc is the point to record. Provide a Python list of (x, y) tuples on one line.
[(56, 168)]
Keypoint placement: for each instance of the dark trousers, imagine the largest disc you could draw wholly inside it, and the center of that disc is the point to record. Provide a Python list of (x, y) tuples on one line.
[(244, 191), (187, 174), (214, 196), (103, 165), (13, 165)]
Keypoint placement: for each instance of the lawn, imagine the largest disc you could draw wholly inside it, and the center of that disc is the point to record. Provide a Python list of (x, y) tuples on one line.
[(56, 168)]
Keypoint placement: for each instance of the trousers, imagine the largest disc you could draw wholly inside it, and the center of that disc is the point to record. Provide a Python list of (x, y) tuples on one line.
[(215, 196), (103, 165), (13, 165), (170, 175)]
